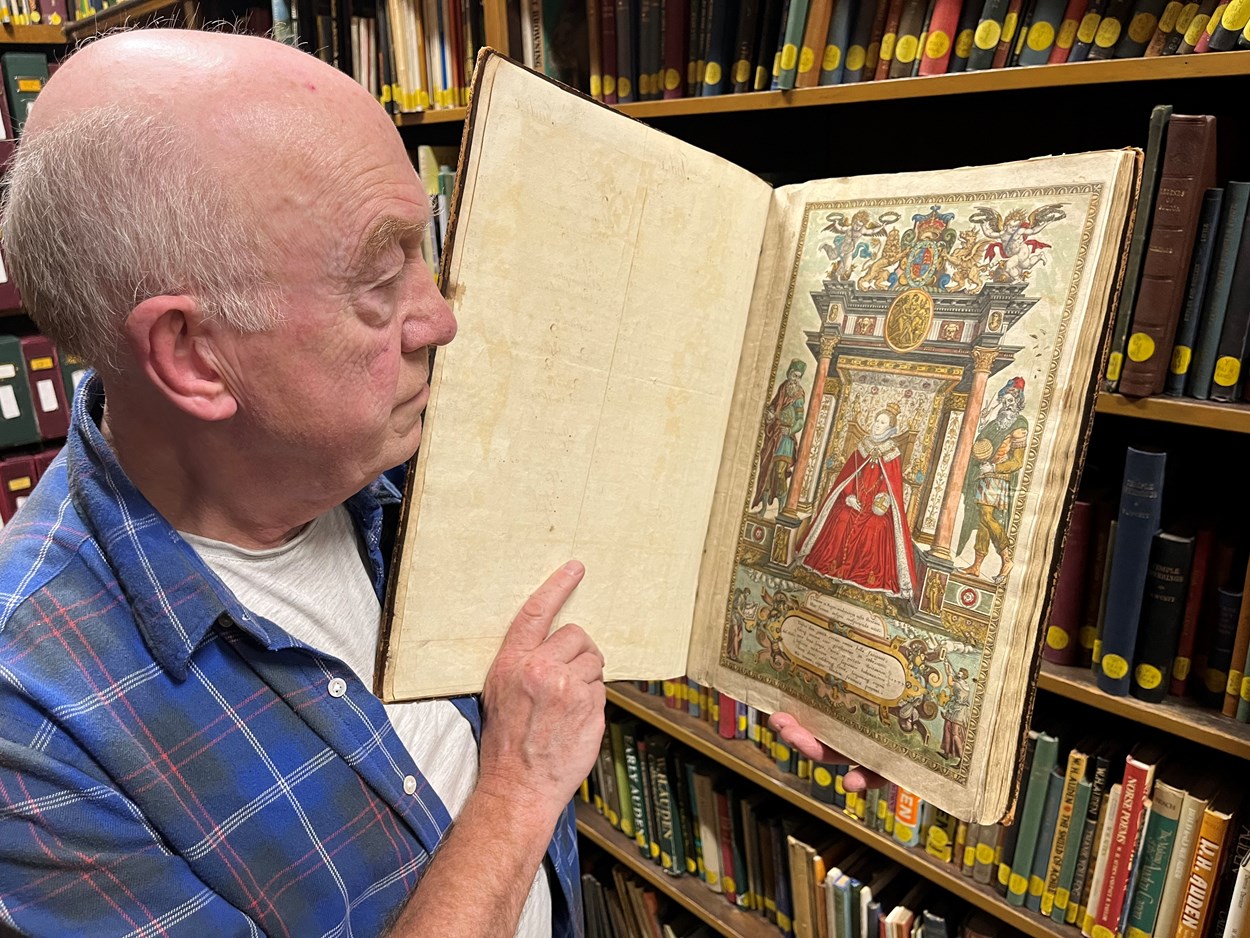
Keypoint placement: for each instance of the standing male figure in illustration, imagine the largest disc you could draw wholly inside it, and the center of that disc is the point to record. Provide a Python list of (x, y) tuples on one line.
[(783, 422), (991, 484)]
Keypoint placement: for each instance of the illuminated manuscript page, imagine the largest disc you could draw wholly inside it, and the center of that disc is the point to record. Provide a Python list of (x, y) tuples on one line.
[(601, 275)]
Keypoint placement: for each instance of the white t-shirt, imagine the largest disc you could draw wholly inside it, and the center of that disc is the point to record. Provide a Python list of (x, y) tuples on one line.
[(317, 587)]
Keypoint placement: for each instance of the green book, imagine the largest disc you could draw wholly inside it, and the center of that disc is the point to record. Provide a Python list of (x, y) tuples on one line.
[(791, 41), (72, 372), (1044, 757), (669, 836), (633, 768), (1156, 853), (25, 74), (1045, 840), (17, 413), (616, 735), (1063, 895)]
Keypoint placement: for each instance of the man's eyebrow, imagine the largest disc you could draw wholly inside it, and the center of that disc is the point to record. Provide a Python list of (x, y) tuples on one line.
[(385, 233)]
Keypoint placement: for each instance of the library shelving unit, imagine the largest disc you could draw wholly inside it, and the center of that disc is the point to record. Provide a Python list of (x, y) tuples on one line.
[(130, 13), (897, 126)]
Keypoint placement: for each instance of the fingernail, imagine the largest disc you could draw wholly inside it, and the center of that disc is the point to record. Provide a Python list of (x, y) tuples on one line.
[(574, 568)]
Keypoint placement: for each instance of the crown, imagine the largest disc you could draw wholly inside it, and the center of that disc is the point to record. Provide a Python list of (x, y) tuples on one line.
[(932, 225), (893, 408)]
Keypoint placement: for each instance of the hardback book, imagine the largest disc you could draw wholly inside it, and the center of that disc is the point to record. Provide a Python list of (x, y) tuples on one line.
[(1195, 292), (1224, 254), (1066, 612), (1195, 596), (1085, 35), (1156, 852), (812, 450), (1162, 613)]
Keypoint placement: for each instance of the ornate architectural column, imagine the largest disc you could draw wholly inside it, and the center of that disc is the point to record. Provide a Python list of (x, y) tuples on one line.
[(787, 515)]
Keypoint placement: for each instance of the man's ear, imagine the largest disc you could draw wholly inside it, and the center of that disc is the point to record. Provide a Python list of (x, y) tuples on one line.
[(173, 344)]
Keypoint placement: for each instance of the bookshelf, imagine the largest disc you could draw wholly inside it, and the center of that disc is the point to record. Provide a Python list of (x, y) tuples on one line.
[(686, 891), (31, 35), (1234, 418), (742, 758), (127, 12)]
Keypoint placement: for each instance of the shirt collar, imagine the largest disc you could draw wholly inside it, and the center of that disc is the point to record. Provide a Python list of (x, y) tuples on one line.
[(175, 598)]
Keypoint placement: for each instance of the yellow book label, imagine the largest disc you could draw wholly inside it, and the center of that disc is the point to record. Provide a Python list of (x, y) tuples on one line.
[(1215, 680), (1102, 931), (1180, 668), (1114, 666), (1140, 347), (906, 48), (804, 767), (1036, 885), (623, 87), (691, 867), (938, 839), (938, 45), (32, 85), (855, 58), (742, 71), (712, 877), (1097, 650), (742, 724), (1018, 884), (665, 860), (670, 689), (1041, 36), (1062, 897), (822, 776), (781, 752), (987, 34), (789, 56), (770, 905), (970, 856), (596, 86), (1142, 27), (1196, 28), (833, 58), (1009, 26), (644, 88), (1233, 685), (887, 46), (712, 77), (640, 840), (1136, 933), (964, 43), (1067, 33), (727, 883), (1116, 360), (1227, 371), (807, 58), (838, 786), (627, 826), (40, 364), (783, 921), (1236, 16), (1056, 638), (1168, 18), (613, 818), (655, 850), (1108, 33), (872, 55), (691, 71), (1182, 355), (1086, 33), (1004, 874), (1048, 904), (1185, 17), (985, 854), (20, 484), (1148, 676), (1088, 635)]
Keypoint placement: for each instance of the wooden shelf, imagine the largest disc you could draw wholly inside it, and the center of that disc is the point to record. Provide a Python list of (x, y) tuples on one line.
[(1234, 417), (117, 15), (31, 35), (745, 760), (439, 116), (1072, 74), (1174, 715), (687, 891)]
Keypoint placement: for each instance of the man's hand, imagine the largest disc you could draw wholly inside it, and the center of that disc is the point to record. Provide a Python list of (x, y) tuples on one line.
[(544, 700), (794, 735)]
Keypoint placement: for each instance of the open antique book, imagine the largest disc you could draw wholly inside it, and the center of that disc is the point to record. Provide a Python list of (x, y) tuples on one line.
[(813, 444)]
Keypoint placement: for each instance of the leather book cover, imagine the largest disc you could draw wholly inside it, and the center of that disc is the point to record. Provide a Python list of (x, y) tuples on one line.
[(812, 49), (1187, 172), (1228, 30), (1218, 655), (1195, 292), (1043, 30), (1086, 33), (1030, 823), (1195, 596), (889, 37), (744, 45), (607, 48), (10, 298), (1011, 25), (1065, 38), (1228, 376), (43, 460), (772, 15), (1045, 841), (17, 415), (907, 43), (1067, 610), (1141, 501), (1100, 546), (834, 60), (25, 74), (17, 480), (1193, 33), (1110, 29), (1140, 29), (855, 62), (625, 63), (1215, 302), (47, 390), (943, 29), (1162, 614)]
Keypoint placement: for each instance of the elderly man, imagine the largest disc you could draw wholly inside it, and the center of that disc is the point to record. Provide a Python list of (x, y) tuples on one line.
[(190, 598)]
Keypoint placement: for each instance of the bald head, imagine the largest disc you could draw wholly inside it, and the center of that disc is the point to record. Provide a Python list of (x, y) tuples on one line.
[(172, 160)]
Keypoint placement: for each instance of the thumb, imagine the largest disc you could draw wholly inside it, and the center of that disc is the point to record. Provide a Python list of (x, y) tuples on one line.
[(532, 624)]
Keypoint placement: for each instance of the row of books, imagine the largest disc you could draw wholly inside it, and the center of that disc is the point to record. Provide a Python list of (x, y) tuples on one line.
[(19, 473), (1134, 842), (760, 854), (36, 386), (1183, 322), (33, 12), (435, 166), (637, 50), (1154, 611)]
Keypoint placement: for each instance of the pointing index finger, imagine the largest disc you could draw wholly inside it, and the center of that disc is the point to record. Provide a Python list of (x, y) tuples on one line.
[(533, 622)]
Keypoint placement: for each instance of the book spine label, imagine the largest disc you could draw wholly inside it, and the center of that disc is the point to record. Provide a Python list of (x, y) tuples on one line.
[(1134, 795), (1203, 876), (1062, 640), (1229, 374), (1165, 811), (1163, 609), (1195, 292), (1215, 303), (1044, 756)]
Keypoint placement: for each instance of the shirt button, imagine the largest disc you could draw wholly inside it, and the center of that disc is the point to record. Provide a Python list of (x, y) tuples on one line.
[(410, 784), (338, 687)]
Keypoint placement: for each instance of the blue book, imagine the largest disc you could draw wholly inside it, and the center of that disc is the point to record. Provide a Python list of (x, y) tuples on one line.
[(1047, 16), (1045, 839), (833, 67), (861, 33), (1195, 292), (1141, 501), (1215, 303)]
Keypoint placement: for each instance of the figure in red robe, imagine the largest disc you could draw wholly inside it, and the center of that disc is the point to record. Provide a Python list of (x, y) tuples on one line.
[(860, 535)]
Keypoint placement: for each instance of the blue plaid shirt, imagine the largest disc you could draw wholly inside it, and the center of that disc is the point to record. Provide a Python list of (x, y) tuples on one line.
[(171, 764)]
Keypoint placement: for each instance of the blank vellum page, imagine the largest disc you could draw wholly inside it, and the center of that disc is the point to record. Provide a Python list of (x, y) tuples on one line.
[(601, 273)]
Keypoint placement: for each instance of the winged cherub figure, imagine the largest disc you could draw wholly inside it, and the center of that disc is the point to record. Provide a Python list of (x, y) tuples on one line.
[(851, 240), (1014, 238)]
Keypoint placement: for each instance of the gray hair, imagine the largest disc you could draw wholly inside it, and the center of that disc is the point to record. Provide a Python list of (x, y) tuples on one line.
[(111, 206)]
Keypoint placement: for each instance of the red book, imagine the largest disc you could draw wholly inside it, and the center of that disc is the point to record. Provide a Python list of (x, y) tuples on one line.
[(1139, 774), (728, 874), (1183, 662), (888, 38), (43, 460), (727, 725), (1011, 25), (942, 29), (9, 297), (1067, 610), (7, 149), (47, 390), (1068, 26), (17, 479), (676, 28)]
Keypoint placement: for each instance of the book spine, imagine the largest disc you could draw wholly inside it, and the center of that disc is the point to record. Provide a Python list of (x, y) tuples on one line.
[(694, 70), (907, 818), (744, 45), (1011, 25), (672, 857), (812, 49), (1235, 853), (1159, 118), (792, 38), (943, 27), (1089, 836), (969, 16), (1043, 31), (679, 775), (625, 67), (1194, 598), (607, 26), (1166, 28), (709, 824), (907, 43), (1110, 28), (837, 52), (889, 36), (676, 31), (1140, 505), (1236, 17), (1165, 812), (1098, 876), (1142, 26), (1236, 664), (1072, 778), (1045, 842), (1062, 640), (1085, 34), (861, 34), (1100, 560), (1163, 609), (1220, 653), (988, 34), (1096, 656), (1183, 18), (772, 16), (1065, 38), (1226, 378), (1195, 292), (1203, 876), (1188, 171), (1044, 756), (872, 52), (1071, 853), (1187, 830), (633, 769), (1197, 26), (1215, 303)]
